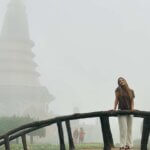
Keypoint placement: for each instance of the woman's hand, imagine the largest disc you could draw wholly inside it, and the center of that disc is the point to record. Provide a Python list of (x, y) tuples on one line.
[(112, 110)]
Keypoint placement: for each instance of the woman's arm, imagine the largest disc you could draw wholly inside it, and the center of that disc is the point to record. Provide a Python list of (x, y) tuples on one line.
[(132, 101), (116, 100), (132, 105)]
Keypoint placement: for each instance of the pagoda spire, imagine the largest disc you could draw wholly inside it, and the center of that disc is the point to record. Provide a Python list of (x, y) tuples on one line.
[(15, 23), (16, 56)]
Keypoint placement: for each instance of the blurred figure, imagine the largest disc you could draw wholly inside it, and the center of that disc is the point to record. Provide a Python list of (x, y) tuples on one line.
[(75, 136), (81, 136)]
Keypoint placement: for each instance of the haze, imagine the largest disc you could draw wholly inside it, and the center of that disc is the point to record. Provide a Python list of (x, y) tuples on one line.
[(83, 46)]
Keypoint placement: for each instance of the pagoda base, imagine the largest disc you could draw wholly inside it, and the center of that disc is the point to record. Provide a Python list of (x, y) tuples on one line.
[(24, 100)]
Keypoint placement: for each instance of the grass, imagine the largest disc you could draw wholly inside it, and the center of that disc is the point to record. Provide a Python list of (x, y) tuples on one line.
[(53, 147), (86, 146)]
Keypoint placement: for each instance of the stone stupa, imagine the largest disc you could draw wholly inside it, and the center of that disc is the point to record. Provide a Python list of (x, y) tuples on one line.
[(20, 90)]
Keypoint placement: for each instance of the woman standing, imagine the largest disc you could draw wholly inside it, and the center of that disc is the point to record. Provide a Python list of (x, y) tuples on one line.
[(81, 136), (125, 101)]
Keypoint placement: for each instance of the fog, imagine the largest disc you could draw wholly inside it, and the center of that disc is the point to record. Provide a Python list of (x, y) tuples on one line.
[(83, 46)]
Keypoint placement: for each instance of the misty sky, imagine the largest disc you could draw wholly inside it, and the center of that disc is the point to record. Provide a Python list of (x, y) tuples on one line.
[(83, 46)]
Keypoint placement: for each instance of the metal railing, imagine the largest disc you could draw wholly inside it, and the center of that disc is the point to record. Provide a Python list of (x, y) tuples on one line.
[(22, 131)]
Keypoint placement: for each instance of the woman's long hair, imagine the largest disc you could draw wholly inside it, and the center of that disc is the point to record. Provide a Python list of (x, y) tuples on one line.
[(125, 89)]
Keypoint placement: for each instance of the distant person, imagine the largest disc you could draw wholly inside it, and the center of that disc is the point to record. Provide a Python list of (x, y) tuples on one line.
[(81, 136), (125, 101), (75, 135)]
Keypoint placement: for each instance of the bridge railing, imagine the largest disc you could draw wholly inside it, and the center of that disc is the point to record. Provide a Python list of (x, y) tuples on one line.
[(22, 131)]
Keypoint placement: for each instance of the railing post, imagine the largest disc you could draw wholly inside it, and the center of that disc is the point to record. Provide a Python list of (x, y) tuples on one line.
[(71, 144), (145, 133), (6, 140), (107, 136), (24, 142), (61, 135)]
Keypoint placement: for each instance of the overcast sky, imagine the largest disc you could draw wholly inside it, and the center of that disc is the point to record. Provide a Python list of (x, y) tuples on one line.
[(83, 46)]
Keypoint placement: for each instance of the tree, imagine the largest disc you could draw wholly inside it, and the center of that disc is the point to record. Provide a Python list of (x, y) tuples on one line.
[(9, 123)]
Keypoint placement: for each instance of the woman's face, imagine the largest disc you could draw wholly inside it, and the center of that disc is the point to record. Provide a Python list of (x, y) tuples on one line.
[(121, 82)]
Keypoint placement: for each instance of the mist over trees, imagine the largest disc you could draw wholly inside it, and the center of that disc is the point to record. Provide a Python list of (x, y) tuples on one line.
[(9, 123)]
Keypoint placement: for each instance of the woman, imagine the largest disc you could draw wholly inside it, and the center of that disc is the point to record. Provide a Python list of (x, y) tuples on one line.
[(125, 101), (81, 136)]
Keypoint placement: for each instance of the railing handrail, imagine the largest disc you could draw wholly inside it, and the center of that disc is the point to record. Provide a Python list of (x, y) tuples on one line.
[(27, 128), (110, 113)]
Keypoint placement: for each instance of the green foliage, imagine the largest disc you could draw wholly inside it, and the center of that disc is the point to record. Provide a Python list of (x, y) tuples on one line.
[(34, 147), (89, 146), (55, 147), (9, 123)]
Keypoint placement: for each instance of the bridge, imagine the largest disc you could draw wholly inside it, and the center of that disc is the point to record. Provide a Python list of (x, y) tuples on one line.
[(104, 116)]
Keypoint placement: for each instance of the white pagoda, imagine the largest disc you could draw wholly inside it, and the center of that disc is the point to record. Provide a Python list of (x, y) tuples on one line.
[(20, 90)]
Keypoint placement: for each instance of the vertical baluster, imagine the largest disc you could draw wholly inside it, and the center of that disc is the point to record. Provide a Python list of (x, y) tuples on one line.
[(71, 144), (24, 142), (107, 136), (145, 133), (6, 140), (61, 136)]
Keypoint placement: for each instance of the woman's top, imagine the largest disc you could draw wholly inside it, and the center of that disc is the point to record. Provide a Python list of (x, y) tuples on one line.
[(124, 99), (81, 134)]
